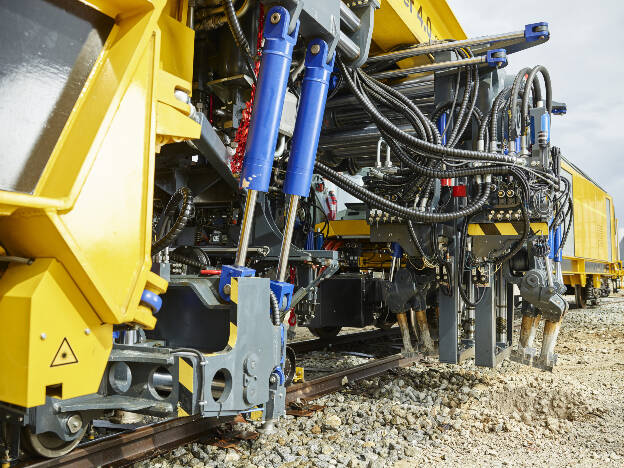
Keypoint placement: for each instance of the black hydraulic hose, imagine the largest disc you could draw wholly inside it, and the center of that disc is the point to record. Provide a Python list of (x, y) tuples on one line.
[(525, 99), (473, 104), (386, 98), (404, 100), (181, 195), (239, 35), (496, 109), (275, 309), (567, 230), (416, 241), (441, 173), (462, 108), (377, 201), (513, 100), (410, 140), (525, 235)]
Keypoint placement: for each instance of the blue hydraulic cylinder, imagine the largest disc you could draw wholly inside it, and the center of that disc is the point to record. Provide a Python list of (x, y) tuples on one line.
[(397, 250), (269, 100), (442, 125), (309, 119), (557, 254), (551, 243)]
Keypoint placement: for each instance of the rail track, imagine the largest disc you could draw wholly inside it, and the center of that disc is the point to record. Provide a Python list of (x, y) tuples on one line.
[(147, 441)]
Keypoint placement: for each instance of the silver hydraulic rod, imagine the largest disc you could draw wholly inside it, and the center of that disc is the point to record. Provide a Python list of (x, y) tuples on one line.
[(245, 232), (429, 68), (443, 46), (349, 48), (348, 18), (291, 215), (392, 268)]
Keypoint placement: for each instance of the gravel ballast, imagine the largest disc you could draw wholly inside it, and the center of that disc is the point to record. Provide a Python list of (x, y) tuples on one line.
[(456, 415)]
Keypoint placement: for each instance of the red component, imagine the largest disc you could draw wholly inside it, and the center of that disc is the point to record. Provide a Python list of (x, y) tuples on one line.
[(459, 191), (236, 163), (320, 187), (292, 319), (332, 206), (210, 272), (446, 182)]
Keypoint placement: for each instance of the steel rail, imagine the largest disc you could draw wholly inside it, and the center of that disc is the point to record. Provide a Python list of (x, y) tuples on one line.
[(148, 441)]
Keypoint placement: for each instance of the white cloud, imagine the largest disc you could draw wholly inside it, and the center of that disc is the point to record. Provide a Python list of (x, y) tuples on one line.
[(585, 64)]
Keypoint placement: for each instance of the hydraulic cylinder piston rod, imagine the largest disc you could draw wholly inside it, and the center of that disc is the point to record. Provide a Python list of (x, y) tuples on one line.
[(305, 138), (496, 58), (531, 33), (266, 115)]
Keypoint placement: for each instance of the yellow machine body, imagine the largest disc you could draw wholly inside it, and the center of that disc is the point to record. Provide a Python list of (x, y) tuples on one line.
[(88, 221), (401, 22), (592, 249)]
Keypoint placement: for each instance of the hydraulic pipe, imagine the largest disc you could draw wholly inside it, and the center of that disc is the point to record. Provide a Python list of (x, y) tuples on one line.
[(305, 138), (530, 33), (266, 116), (348, 18), (397, 253)]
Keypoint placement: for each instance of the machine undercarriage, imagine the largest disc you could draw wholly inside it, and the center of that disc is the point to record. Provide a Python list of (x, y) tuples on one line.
[(294, 173)]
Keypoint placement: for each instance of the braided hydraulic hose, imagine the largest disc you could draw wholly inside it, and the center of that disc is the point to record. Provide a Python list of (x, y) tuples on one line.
[(275, 309), (525, 99), (239, 35), (412, 141), (377, 201), (181, 195), (187, 261)]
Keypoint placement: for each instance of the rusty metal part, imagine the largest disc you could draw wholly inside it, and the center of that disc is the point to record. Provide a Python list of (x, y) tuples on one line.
[(126, 448), (331, 383), (405, 334), (423, 326), (548, 358)]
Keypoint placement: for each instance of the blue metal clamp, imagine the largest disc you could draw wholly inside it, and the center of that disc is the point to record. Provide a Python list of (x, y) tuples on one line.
[(230, 271), (397, 250), (536, 31), (496, 58), (281, 291)]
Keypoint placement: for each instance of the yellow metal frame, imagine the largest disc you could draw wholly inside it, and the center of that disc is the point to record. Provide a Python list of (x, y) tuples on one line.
[(88, 221), (401, 22)]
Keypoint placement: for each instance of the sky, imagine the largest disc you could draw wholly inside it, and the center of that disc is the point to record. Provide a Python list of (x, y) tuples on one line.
[(586, 68)]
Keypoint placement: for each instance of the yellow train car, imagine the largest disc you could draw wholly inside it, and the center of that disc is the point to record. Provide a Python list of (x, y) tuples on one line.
[(591, 256)]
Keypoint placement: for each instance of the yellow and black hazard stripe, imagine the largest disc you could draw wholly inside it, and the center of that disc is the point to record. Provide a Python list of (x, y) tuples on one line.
[(505, 229), (186, 377)]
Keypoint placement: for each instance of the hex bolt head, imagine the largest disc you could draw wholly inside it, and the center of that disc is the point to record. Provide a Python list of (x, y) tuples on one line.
[(227, 289), (43, 336), (74, 423), (87, 331), (273, 379), (315, 49), (275, 18)]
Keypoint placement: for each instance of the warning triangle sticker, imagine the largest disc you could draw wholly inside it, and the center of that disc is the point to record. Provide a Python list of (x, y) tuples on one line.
[(64, 355)]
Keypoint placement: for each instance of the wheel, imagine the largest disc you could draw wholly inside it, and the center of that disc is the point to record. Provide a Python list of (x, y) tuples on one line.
[(325, 332), (289, 365), (581, 298), (48, 444)]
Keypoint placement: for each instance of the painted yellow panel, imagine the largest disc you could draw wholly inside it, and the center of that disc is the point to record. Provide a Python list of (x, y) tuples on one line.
[(403, 22)]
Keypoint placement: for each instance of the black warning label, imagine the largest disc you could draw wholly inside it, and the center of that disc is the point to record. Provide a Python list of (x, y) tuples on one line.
[(65, 355)]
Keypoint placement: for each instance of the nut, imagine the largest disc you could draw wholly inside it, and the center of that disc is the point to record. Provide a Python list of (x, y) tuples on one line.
[(315, 49), (275, 18)]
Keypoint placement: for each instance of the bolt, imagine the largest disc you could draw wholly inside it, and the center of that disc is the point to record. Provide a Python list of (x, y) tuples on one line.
[(273, 379), (43, 336), (315, 49), (87, 331), (74, 423), (227, 289), (275, 18)]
